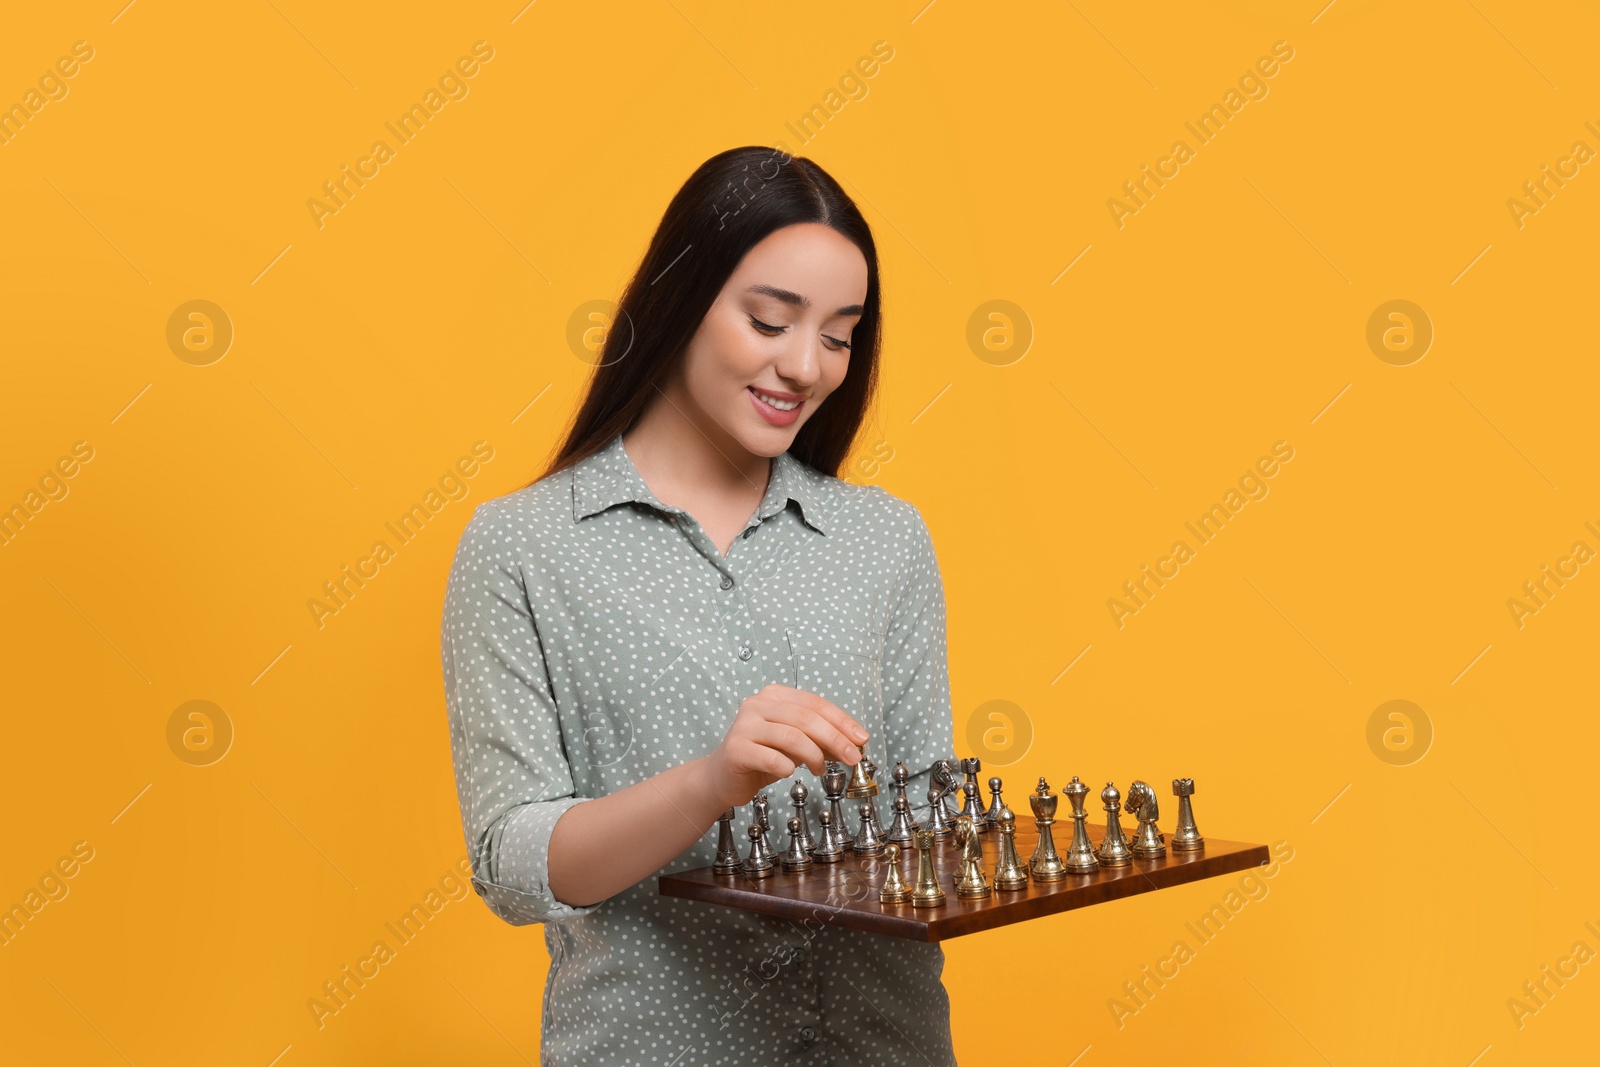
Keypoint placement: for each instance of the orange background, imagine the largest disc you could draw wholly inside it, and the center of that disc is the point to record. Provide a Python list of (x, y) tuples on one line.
[(432, 311)]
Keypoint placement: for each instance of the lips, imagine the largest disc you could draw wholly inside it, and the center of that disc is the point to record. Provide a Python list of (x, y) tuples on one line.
[(766, 403)]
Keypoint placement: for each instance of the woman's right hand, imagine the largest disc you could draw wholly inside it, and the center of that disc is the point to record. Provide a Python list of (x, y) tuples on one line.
[(775, 731)]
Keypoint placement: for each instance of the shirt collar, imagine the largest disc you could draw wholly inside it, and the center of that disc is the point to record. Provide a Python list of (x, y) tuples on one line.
[(608, 478)]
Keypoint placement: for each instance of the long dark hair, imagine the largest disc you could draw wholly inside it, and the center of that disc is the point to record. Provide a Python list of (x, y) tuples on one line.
[(734, 200)]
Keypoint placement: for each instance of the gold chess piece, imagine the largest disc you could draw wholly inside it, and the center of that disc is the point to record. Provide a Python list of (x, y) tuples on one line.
[(970, 880), (1080, 854), (1147, 841), (1009, 873), (1114, 850), (895, 890), (1046, 864), (1186, 838), (861, 781), (927, 893)]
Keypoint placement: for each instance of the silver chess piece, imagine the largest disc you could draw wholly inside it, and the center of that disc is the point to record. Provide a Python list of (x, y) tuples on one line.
[(1113, 851), (1186, 838), (830, 846), (1080, 854), (944, 773), (869, 840), (1009, 873), (972, 807), (992, 816), (797, 796), (796, 858), (727, 861), (938, 815), (760, 805), (970, 768), (759, 863), (833, 789), (901, 775), (901, 826), (1147, 840), (1046, 865)]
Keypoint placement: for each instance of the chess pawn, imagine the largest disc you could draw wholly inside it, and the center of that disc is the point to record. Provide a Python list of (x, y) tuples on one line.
[(1186, 838), (830, 846), (1147, 843), (869, 841), (727, 861), (861, 783), (971, 807), (1009, 873), (927, 893), (895, 890), (970, 880), (1113, 851), (833, 789), (902, 826), (970, 767), (938, 817), (1080, 855), (797, 796), (797, 858), (1046, 865), (759, 863), (992, 816)]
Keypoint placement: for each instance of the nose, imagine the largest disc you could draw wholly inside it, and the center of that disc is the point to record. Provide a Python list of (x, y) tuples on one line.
[(800, 362)]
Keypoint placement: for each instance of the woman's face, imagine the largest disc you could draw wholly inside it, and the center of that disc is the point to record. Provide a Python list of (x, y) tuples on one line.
[(775, 342)]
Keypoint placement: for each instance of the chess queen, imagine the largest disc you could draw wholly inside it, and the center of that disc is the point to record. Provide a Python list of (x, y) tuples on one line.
[(689, 607)]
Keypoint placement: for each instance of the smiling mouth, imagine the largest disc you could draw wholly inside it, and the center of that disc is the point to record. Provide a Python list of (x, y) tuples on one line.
[(777, 403)]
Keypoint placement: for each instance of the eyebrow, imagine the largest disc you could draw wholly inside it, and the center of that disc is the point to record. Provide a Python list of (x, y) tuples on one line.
[(799, 301)]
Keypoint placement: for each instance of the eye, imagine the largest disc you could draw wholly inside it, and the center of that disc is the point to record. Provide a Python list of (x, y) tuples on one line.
[(764, 327), (841, 346)]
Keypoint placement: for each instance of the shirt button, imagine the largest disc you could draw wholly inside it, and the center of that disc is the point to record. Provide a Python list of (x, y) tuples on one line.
[(745, 652), (807, 1034), (727, 583)]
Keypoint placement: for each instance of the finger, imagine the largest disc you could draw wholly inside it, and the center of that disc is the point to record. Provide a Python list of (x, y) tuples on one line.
[(818, 727), (841, 719), (791, 741)]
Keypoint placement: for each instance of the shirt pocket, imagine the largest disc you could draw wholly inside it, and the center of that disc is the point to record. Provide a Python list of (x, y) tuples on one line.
[(841, 664)]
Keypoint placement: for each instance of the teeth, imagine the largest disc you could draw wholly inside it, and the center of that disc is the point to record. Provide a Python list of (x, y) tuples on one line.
[(781, 405)]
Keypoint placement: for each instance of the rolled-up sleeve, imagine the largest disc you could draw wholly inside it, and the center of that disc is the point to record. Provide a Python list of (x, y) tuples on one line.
[(512, 776), (916, 670)]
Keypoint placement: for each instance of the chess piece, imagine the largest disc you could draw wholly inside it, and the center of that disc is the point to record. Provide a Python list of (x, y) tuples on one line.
[(992, 816), (901, 776), (869, 841), (1113, 851), (797, 796), (1009, 873), (833, 789), (938, 817), (1046, 865), (1080, 854), (1147, 843), (944, 772), (830, 847), (970, 768), (1186, 838), (895, 890), (861, 783), (727, 861), (970, 881), (927, 893), (797, 858), (902, 825), (759, 863), (760, 804), (972, 807)]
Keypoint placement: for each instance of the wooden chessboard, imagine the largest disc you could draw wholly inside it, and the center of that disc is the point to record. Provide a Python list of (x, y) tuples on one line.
[(846, 893)]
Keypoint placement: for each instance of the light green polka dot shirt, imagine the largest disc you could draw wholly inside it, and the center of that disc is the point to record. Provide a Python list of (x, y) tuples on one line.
[(593, 637)]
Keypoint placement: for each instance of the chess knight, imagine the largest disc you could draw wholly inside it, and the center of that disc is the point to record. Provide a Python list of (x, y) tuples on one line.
[(970, 879)]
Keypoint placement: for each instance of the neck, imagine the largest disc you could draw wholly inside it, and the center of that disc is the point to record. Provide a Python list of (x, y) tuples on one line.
[(675, 446)]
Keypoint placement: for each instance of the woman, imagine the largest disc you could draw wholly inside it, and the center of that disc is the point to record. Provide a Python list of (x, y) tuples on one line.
[(687, 608)]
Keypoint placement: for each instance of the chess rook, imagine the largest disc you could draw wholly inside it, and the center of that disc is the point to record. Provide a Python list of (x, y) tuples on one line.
[(927, 893), (1186, 838), (727, 861)]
